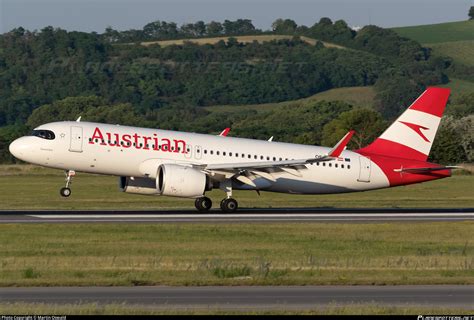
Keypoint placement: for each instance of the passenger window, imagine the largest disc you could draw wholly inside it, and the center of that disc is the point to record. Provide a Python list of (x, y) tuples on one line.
[(335, 165), (342, 166), (348, 166), (223, 153), (230, 154), (217, 152), (330, 164), (212, 151)]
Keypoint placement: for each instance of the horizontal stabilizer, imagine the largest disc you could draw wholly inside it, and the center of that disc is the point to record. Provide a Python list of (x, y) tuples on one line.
[(425, 169)]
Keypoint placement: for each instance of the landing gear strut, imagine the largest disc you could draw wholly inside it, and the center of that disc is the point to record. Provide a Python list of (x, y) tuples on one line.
[(66, 191), (228, 204), (203, 204)]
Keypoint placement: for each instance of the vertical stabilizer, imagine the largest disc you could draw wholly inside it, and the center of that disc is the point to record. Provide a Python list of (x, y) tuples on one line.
[(411, 135)]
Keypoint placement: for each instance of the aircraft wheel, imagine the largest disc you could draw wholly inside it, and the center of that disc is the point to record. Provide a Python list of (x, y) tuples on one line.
[(65, 192), (203, 204), (229, 205)]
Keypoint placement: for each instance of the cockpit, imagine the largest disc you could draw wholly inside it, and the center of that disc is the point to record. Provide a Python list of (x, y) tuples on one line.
[(43, 134)]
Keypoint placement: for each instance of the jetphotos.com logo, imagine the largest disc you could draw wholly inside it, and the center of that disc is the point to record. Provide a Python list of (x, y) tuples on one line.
[(420, 317)]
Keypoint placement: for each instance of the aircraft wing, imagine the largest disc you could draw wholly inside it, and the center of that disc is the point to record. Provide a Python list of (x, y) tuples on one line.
[(242, 170)]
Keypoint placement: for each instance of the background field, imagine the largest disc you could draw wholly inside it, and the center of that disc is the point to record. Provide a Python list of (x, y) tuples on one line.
[(30, 187), (357, 96), (242, 39), (442, 32), (236, 254), (462, 51)]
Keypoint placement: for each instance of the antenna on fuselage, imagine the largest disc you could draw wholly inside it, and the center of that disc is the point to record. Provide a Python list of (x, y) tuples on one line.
[(78, 119)]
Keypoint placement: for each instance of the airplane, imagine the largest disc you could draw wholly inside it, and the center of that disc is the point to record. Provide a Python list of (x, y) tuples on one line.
[(181, 164)]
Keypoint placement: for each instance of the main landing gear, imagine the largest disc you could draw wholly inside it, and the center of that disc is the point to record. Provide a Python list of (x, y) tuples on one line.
[(203, 204), (228, 205), (66, 191)]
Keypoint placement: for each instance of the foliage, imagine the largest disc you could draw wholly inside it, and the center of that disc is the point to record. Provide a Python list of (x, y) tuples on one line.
[(367, 123), (447, 148), (52, 74), (91, 108), (395, 95), (162, 30)]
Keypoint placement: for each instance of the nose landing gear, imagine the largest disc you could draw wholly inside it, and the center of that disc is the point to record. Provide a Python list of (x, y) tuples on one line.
[(228, 204), (66, 191)]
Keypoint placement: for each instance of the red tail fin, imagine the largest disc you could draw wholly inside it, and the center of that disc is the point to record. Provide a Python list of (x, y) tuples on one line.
[(411, 135)]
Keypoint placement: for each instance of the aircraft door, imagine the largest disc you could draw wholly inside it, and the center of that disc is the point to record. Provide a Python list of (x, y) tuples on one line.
[(76, 139), (364, 169)]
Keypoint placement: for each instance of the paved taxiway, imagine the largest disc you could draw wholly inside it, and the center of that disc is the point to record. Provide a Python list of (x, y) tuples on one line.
[(244, 215), (280, 297)]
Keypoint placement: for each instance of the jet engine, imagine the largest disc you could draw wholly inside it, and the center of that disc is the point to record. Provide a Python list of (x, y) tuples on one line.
[(181, 181), (138, 185)]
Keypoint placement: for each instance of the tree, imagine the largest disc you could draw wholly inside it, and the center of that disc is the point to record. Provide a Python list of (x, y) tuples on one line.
[(395, 94), (286, 26), (447, 148), (367, 123), (471, 13), (214, 28)]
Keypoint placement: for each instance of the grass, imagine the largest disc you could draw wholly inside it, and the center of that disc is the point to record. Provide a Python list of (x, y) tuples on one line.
[(442, 32), (461, 51), (357, 96), (241, 39), (30, 187), (459, 87), (236, 254), (122, 309)]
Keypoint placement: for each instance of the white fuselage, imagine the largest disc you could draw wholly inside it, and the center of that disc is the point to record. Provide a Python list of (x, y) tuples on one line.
[(78, 146)]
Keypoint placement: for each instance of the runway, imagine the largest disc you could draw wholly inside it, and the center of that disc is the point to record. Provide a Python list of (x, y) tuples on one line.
[(243, 216), (245, 297)]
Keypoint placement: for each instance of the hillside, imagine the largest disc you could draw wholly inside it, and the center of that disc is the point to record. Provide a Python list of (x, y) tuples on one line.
[(452, 39), (241, 39), (357, 96), (441, 32), (461, 51)]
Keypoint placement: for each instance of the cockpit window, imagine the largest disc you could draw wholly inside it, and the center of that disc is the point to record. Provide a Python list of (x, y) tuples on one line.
[(43, 134)]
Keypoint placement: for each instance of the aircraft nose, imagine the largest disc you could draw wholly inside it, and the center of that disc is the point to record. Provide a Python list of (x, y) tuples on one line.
[(18, 148)]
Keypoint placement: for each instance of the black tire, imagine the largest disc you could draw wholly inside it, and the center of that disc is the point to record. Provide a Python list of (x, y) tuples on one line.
[(65, 192), (229, 205), (203, 204)]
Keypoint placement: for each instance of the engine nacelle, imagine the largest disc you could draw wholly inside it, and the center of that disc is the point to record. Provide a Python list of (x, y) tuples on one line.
[(138, 185), (181, 181)]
